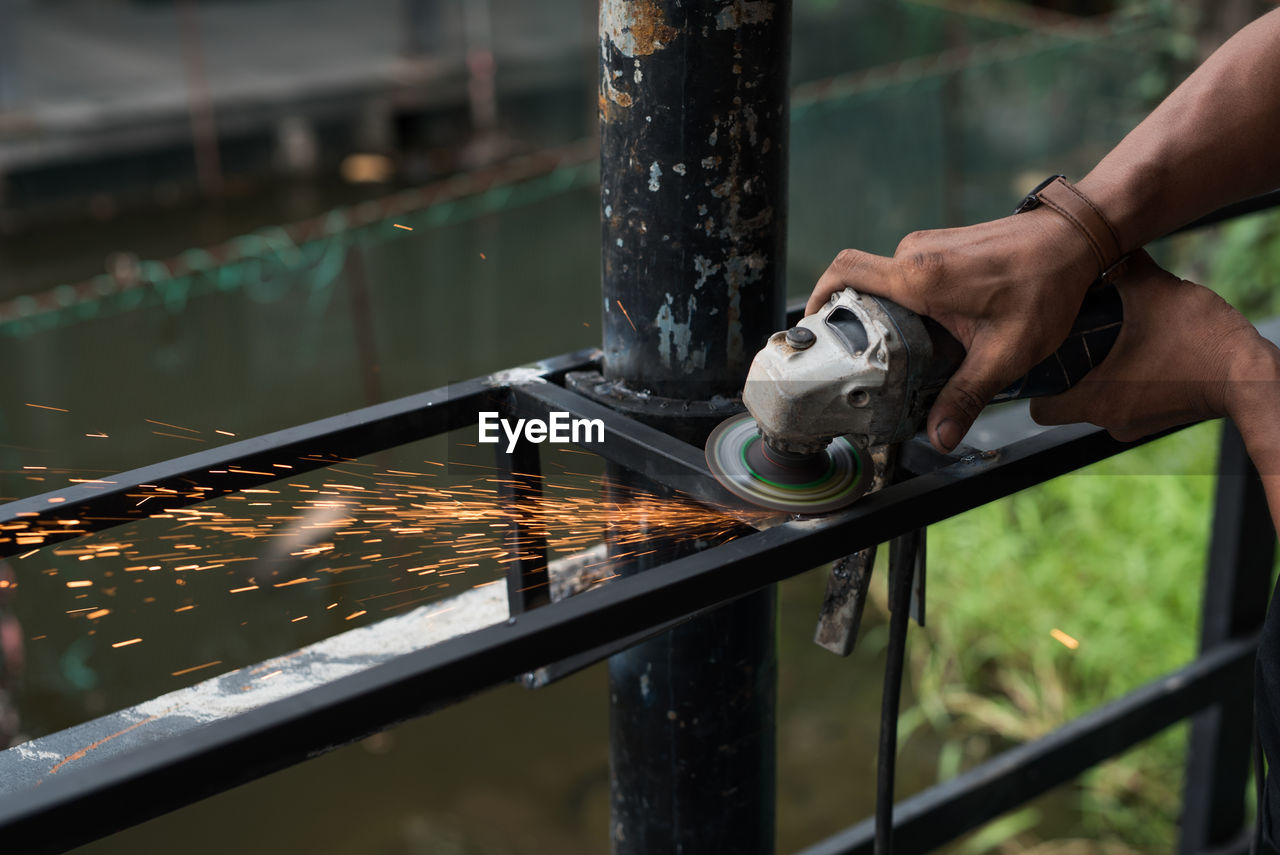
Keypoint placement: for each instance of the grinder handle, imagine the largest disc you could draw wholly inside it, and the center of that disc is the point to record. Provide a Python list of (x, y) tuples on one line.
[(1092, 336)]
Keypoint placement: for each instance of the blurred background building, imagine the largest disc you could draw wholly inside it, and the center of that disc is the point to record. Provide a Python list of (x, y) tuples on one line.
[(245, 214)]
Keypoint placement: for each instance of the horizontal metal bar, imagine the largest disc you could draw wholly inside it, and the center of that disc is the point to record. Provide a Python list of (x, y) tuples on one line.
[(79, 806), (82, 805), (944, 812), (1252, 205), (205, 475)]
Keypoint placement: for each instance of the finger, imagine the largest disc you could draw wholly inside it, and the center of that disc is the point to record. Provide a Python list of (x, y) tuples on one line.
[(1064, 409), (984, 372), (862, 271)]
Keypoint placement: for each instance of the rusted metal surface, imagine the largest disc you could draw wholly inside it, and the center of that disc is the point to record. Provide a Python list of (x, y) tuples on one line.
[(693, 120)]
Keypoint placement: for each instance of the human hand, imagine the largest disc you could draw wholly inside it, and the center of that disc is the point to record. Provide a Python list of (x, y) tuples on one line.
[(1008, 290), (1181, 356)]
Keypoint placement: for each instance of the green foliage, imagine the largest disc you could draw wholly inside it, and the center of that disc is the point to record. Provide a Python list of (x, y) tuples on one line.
[(1113, 557), (1239, 259)]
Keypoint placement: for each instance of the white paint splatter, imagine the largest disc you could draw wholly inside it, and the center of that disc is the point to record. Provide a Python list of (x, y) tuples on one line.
[(678, 335), (741, 12), (679, 169), (655, 172), (704, 268)]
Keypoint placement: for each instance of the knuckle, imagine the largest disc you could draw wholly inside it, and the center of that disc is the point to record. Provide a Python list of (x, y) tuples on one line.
[(909, 240), (847, 259), (968, 399)]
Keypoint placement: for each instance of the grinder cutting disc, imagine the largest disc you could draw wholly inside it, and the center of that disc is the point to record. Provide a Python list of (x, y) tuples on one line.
[(797, 484)]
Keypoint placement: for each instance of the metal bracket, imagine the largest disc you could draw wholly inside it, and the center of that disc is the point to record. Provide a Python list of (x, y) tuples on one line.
[(846, 596)]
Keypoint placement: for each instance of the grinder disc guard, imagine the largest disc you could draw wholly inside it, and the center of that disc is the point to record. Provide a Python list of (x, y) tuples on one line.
[(797, 484)]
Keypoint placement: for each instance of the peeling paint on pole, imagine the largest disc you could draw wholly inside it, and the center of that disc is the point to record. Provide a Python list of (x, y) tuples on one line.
[(693, 113), (693, 128), (634, 27)]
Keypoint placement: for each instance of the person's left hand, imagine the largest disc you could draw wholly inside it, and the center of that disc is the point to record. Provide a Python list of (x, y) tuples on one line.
[(1178, 353)]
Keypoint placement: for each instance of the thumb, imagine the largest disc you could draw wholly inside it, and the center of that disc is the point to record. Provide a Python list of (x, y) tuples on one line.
[(983, 373)]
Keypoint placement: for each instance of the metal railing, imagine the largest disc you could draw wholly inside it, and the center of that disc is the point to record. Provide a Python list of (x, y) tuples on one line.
[(85, 804)]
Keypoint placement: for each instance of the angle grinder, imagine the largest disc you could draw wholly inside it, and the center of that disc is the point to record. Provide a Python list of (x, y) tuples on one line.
[(862, 372)]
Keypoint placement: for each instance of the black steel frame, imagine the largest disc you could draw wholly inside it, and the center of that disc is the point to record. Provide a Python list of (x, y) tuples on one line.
[(82, 805)]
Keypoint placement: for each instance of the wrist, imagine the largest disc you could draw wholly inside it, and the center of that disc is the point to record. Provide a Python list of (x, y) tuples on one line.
[(1062, 248), (1126, 194)]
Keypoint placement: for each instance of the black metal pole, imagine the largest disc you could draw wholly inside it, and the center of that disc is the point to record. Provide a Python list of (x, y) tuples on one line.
[(693, 121)]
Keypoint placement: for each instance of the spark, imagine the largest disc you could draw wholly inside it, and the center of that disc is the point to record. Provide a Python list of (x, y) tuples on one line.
[(292, 582), (98, 435), (175, 427), (177, 436), (625, 314), (1066, 640), (126, 643), (47, 407), (196, 668), (444, 536), (406, 228), (482, 257)]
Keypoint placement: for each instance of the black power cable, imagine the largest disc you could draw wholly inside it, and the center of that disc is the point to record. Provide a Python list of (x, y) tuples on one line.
[(1259, 778), (899, 604)]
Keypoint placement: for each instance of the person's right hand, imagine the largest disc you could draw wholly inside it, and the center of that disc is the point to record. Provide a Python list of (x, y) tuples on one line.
[(1008, 290)]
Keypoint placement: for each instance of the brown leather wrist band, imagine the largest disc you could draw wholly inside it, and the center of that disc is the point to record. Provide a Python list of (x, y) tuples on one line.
[(1063, 197)]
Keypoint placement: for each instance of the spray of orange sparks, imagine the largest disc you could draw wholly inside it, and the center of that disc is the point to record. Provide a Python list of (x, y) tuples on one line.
[(373, 538)]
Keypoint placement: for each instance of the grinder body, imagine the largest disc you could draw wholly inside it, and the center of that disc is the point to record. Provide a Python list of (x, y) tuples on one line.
[(871, 370), (862, 372)]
